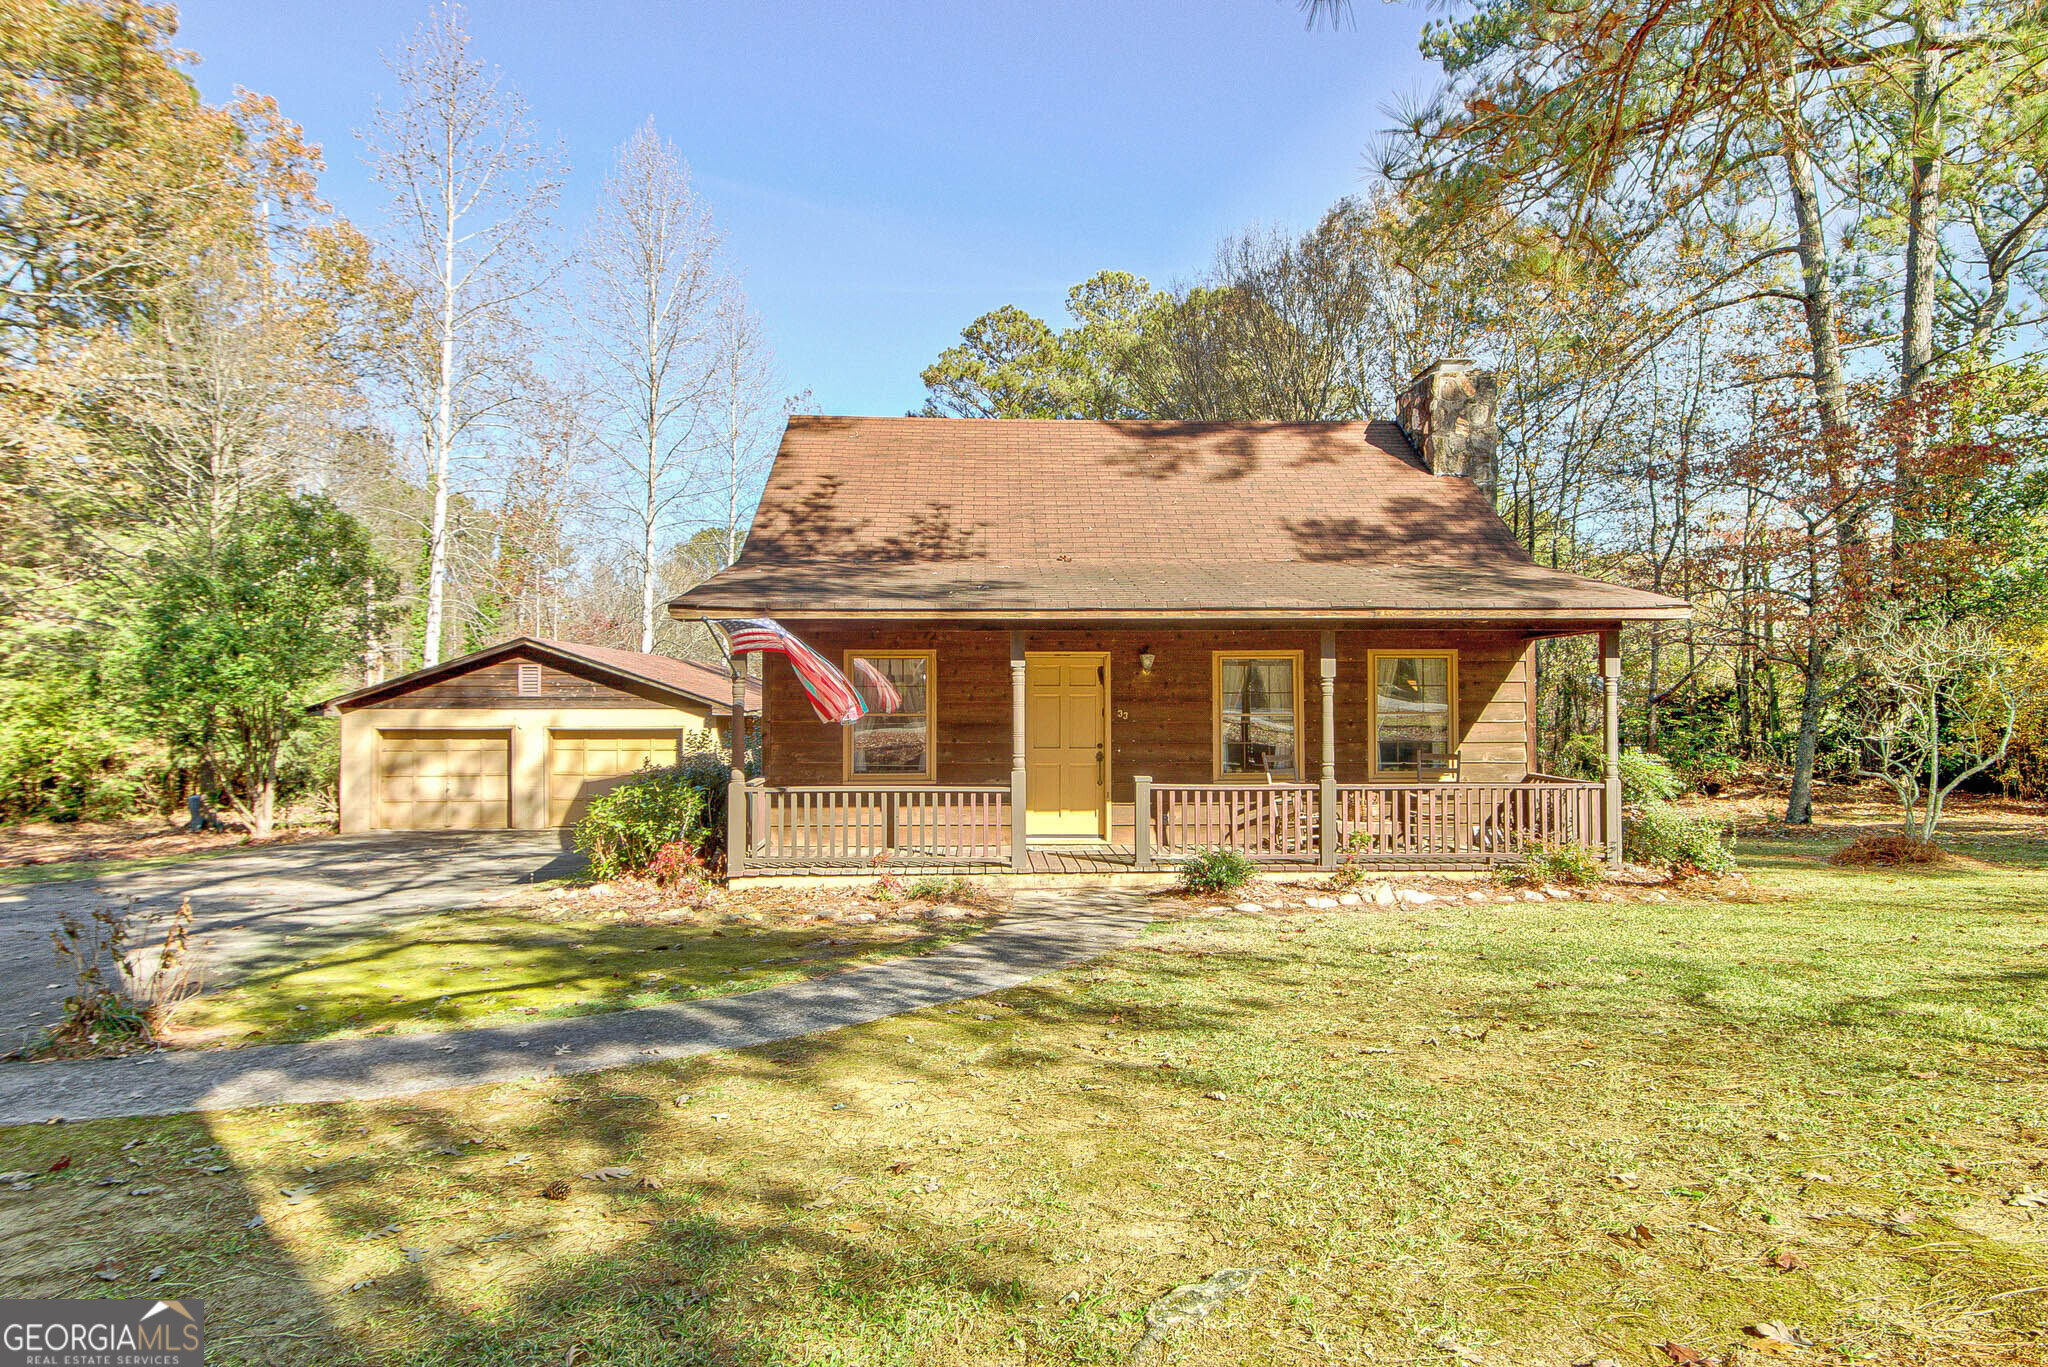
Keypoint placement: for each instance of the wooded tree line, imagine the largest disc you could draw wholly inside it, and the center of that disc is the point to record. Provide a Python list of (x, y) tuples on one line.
[(251, 452), (1763, 286)]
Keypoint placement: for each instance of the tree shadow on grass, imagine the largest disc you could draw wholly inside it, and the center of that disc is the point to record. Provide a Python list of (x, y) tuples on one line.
[(777, 1232), (158, 1208), (787, 1225)]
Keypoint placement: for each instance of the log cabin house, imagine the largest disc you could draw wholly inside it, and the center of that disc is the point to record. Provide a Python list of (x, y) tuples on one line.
[(1118, 642)]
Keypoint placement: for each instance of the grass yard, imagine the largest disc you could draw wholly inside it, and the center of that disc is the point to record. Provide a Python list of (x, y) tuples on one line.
[(1503, 1134), (487, 966)]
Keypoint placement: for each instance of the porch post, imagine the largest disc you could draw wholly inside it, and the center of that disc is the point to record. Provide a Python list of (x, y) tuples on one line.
[(1610, 753), (1326, 803), (1020, 859), (736, 785), (1141, 821)]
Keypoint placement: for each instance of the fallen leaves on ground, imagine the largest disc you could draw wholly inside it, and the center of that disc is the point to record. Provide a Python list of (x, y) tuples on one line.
[(1772, 1332)]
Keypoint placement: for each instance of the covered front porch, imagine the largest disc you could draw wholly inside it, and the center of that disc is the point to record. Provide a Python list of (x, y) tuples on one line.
[(1326, 798)]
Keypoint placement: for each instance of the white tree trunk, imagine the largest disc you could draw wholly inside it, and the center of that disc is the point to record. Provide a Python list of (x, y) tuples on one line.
[(442, 431), (470, 193), (647, 548)]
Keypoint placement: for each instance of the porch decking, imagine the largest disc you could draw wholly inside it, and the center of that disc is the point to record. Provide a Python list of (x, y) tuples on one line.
[(1083, 861)]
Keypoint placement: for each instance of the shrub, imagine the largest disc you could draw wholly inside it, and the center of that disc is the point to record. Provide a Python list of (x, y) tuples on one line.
[(677, 864), (114, 1004), (1348, 876), (1648, 778), (1644, 777), (1570, 865), (937, 888), (1660, 835), (625, 828), (1216, 870), (1710, 771), (63, 758)]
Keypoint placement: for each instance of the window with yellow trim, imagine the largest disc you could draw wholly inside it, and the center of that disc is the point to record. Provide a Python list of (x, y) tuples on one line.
[(1258, 715), (1414, 713), (895, 743)]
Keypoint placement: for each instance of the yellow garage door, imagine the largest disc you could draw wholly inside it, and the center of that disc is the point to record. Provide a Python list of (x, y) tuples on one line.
[(444, 780), (582, 764)]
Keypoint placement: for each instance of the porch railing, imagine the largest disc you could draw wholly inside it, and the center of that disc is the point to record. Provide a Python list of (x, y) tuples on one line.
[(1376, 822), (1266, 821), (857, 823), (1457, 824), (1482, 822)]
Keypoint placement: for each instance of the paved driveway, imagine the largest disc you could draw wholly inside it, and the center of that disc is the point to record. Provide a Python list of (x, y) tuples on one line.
[(268, 905)]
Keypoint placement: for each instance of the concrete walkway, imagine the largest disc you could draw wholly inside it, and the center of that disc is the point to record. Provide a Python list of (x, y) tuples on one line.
[(1044, 931)]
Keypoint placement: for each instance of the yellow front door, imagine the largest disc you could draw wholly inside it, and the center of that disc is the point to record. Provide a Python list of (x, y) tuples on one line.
[(1066, 745)]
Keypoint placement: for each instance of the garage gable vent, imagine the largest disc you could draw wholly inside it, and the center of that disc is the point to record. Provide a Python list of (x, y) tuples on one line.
[(529, 681)]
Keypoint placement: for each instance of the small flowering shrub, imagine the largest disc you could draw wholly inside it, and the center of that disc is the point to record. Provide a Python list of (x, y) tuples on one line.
[(678, 865), (1348, 876)]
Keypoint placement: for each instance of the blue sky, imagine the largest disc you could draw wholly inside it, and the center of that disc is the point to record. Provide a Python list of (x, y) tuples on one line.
[(884, 173)]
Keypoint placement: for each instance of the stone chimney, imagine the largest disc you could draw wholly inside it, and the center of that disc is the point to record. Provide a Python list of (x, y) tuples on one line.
[(1448, 413)]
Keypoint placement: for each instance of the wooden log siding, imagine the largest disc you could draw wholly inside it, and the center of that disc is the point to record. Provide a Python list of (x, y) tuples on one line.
[(1161, 723)]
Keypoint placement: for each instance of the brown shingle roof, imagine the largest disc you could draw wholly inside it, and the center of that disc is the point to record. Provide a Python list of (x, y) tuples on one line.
[(910, 516), (710, 683), (701, 683)]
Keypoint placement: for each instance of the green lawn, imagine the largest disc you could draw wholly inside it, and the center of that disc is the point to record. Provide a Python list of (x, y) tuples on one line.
[(1506, 1134), (485, 966)]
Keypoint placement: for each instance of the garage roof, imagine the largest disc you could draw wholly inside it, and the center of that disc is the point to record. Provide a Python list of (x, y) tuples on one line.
[(686, 679)]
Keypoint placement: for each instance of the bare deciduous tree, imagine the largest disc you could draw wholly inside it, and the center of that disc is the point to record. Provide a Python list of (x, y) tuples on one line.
[(651, 305), (222, 392), (745, 407), (1942, 711), (471, 191)]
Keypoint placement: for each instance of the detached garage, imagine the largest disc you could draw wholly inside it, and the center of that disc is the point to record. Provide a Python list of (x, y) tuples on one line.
[(517, 737)]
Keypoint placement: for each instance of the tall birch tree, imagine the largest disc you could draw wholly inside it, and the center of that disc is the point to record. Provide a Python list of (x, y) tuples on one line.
[(744, 409), (650, 310), (472, 189)]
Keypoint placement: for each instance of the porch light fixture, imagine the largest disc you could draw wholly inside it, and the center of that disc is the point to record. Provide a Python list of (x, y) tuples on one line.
[(1145, 658)]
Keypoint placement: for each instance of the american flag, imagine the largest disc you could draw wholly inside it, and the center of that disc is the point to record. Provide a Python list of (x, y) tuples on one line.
[(882, 695), (832, 697)]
